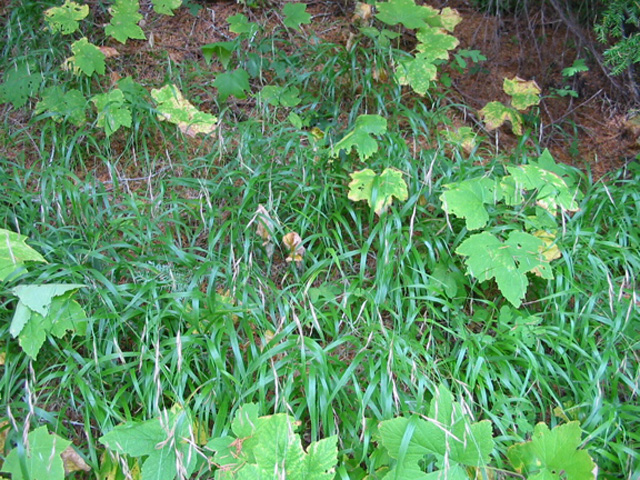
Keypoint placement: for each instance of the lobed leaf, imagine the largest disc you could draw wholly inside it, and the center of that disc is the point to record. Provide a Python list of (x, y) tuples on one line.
[(166, 7), (295, 14), (361, 137), (65, 18), (523, 93), (495, 114), (20, 82), (42, 459), (234, 83), (113, 111), (87, 58), (467, 200), (405, 12), (378, 190), (14, 252), (124, 21), (174, 108), (63, 105)]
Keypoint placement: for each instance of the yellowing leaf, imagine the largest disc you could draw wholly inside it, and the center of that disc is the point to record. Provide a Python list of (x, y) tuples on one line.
[(450, 18), (64, 19), (362, 12), (523, 93), (293, 244), (73, 462), (378, 190), (495, 114), (174, 108)]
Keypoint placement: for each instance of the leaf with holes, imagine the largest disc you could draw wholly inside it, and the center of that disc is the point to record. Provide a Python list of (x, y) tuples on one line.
[(495, 114), (295, 14), (14, 252), (234, 83), (87, 58), (20, 82), (361, 137), (553, 455), (41, 460), (447, 435), (508, 262), (467, 199), (378, 190), (65, 19), (124, 21), (523, 93), (174, 108), (405, 12), (61, 105), (166, 7), (113, 111)]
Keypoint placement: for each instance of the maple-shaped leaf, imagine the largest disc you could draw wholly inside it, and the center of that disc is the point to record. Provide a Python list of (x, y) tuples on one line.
[(222, 50), (280, 96), (361, 137), (63, 105), (113, 111), (495, 114), (124, 21), (523, 93), (467, 200), (240, 24), (14, 252), (234, 83), (405, 12), (378, 190), (447, 433), (553, 455), (436, 42), (87, 58), (41, 460), (166, 7), (173, 107), (508, 262), (65, 18), (450, 18), (418, 72), (20, 82), (295, 14)]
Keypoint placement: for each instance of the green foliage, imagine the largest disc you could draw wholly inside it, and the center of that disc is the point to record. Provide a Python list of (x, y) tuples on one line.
[(280, 96), (166, 442), (295, 14), (234, 83), (14, 253), (619, 22), (124, 21), (20, 82), (467, 199), (523, 95), (578, 66), (378, 190), (222, 50), (553, 455), (113, 111), (241, 25), (406, 12), (166, 7), (61, 105), (65, 19), (264, 447), (174, 108), (447, 434), (361, 137), (39, 458), (87, 58)]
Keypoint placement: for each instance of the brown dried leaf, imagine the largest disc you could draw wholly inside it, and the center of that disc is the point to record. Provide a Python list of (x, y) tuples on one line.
[(109, 52), (73, 462)]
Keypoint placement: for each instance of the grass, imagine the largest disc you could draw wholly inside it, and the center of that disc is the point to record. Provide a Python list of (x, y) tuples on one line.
[(188, 306)]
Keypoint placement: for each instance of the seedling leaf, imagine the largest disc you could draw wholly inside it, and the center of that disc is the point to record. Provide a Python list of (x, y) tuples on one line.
[(166, 7), (113, 111), (507, 262), (62, 105), (467, 200), (378, 191), (20, 82), (295, 14), (234, 83), (578, 66), (124, 21), (87, 58), (173, 107), (405, 12), (65, 19), (222, 50), (239, 24), (14, 252), (42, 459), (523, 93), (361, 137), (553, 454)]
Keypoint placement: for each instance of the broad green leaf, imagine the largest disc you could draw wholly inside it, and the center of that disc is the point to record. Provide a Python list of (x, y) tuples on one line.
[(39, 297), (65, 19), (280, 96), (245, 421), (166, 7), (405, 12), (295, 14), (20, 82), (113, 111), (124, 21), (87, 58), (277, 447), (361, 137), (467, 200), (67, 315), (378, 190), (495, 114), (523, 94), (63, 105), (507, 262), (553, 454), (239, 24), (321, 459), (34, 333), (222, 50), (42, 460), (14, 251), (578, 66), (417, 72), (446, 433), (173, 107), (436, 42), (234, 83)]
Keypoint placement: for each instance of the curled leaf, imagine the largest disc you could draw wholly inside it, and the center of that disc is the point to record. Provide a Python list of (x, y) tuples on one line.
[(293, 243)]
